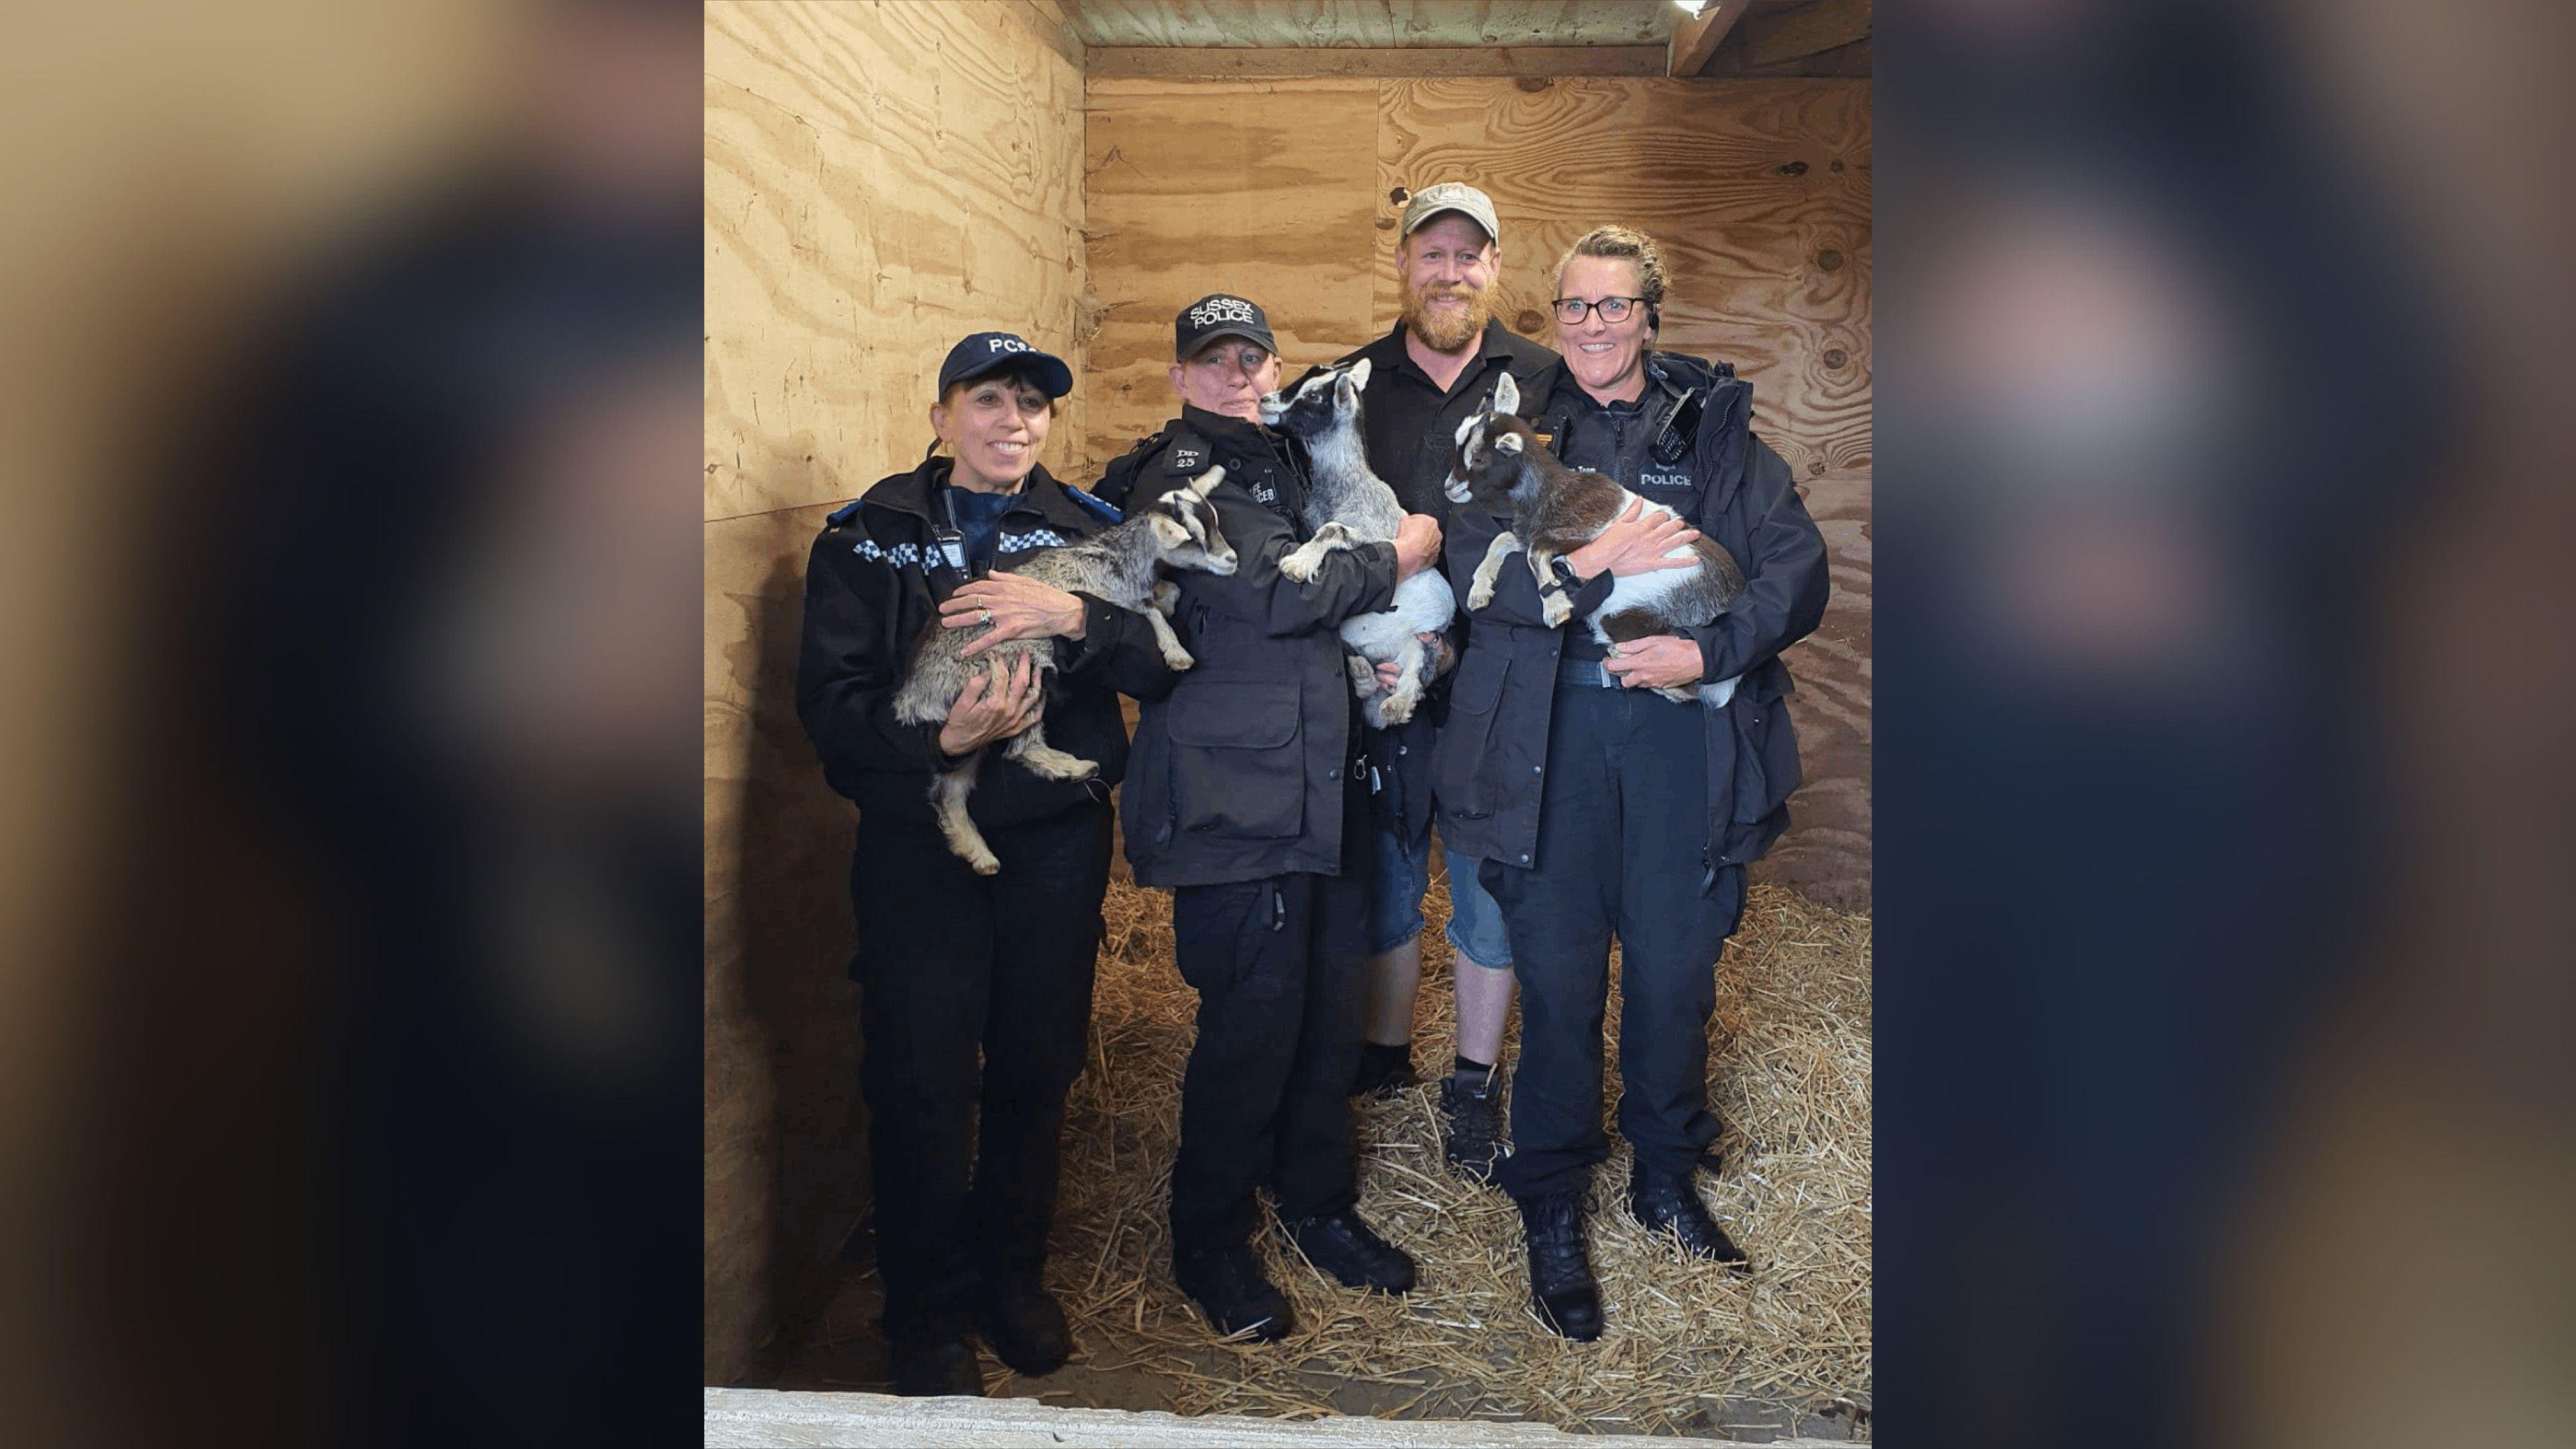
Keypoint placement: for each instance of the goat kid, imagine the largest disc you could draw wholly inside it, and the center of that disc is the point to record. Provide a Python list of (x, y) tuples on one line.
[(1555, 509), (1120, 565), (1347, 505)]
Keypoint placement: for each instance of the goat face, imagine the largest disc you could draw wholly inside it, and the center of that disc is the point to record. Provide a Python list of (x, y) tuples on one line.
[(1492, 460), (1474, 470), (1321, 401), (1186, 535)]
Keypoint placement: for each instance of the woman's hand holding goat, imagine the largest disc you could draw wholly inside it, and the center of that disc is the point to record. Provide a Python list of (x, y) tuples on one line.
[(1636, 544), (995, 705), (1661, 661), (1017, 608)]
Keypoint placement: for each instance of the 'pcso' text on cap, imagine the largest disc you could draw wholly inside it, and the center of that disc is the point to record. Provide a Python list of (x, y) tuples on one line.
[(984, 352)]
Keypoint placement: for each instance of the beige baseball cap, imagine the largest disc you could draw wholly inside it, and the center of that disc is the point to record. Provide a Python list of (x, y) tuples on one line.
[(1456, 196)]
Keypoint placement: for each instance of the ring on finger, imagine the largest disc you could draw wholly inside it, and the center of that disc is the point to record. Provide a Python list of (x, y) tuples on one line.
[(984, 617)]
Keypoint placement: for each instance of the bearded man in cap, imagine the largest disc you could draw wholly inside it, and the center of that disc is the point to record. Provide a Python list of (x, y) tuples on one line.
[(1247, 801)]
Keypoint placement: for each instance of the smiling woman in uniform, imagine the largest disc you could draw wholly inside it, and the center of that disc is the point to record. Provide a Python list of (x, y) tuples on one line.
[(975, 991), (1599, 807)]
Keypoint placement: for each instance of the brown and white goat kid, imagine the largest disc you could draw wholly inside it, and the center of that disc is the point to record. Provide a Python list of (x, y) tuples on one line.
[(1554, 509), (1121, 565)]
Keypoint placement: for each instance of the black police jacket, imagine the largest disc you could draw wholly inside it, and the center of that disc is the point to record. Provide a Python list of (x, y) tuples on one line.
[(873, 583), (1736, 490), (1411, 442), (1240, 764)]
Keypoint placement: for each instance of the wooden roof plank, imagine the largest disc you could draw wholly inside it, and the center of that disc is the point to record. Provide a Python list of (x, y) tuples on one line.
[(1696, 38), (1807, 30)]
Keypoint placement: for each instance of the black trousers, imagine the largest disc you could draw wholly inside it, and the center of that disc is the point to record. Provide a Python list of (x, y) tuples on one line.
[(974, 1009), (1279, 966), (1621, 830)]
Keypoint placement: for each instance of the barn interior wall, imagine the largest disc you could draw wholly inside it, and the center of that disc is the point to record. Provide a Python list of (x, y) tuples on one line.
[(1290, 192), (881, 179)]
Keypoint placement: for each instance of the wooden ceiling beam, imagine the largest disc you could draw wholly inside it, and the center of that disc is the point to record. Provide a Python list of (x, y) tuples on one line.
[(1696, 38), (1809, 29), (1302, 62)]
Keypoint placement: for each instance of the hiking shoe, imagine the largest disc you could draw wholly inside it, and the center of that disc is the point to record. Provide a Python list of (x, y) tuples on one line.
[(1471, 1126)]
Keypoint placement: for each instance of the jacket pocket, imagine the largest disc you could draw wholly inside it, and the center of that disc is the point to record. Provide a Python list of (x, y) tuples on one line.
[(1766, 749), (1238, 767), (1458, 758)]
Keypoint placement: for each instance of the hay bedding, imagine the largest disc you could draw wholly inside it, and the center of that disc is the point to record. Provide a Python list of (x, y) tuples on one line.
[(1789, 1077)]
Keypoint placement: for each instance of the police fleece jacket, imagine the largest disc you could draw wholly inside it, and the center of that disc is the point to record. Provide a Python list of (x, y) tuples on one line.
[(873, 583)]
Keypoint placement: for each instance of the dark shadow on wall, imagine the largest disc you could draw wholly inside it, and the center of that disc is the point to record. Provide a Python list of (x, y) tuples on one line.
[(791, 855)]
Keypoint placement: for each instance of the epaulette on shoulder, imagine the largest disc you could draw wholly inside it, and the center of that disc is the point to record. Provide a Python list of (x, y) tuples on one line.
[(1099, 506), (1188, 456), (840, 517)]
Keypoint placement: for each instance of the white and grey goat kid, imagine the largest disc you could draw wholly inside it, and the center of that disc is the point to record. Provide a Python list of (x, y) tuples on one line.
[(1121, 565), (1346, 504), (1554, 510)]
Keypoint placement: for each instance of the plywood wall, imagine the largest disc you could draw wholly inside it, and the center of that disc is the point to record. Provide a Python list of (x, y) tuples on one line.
[(882, 178), (1290, 192)]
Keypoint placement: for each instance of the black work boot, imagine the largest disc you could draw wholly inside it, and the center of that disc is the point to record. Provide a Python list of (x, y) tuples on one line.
[(1471, 1125), (1665, 1202), (931, 1363), (1343, 1246), (1025, 1328), (1562, 1287), (1229, 1287)]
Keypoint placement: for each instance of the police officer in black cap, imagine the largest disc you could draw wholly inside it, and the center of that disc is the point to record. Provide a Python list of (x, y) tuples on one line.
[(975, 991), (1245, 803)]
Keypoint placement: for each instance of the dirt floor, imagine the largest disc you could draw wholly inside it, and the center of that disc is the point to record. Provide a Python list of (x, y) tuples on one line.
[(1691, 1349)]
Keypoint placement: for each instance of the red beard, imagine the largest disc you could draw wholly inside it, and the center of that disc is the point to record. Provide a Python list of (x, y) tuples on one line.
[(1449, 331)]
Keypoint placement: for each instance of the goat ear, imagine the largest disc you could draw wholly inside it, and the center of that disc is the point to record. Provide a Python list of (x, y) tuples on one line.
[(1171, 531), (1206, 482), (1507, 394), (1468, 426), (1509, 442), (1358, 375)]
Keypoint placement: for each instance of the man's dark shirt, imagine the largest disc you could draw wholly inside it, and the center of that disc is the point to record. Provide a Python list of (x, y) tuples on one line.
[(1401, 424)]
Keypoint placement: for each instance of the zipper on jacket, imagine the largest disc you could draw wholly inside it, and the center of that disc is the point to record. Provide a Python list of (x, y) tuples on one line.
[(1278, 909)]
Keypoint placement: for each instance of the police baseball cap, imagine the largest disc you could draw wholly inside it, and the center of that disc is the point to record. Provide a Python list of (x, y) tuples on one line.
[(1218, 315), (1455, 196), (990, 351)]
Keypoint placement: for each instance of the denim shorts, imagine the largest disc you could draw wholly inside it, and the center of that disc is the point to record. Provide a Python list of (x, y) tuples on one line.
[(1403, 874)]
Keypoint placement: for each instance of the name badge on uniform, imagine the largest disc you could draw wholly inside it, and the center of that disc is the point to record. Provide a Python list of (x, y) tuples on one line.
[(1185, 458)]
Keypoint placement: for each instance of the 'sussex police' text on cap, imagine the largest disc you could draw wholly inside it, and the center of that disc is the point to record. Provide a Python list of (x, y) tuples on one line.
[(1455, 196), (987, 351), (1218, 315)]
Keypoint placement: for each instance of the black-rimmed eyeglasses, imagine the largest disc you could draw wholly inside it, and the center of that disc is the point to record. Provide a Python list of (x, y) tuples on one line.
[(1614, 310)]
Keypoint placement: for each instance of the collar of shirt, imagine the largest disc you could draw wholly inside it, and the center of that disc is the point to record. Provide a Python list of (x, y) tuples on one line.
[(1495, 345)]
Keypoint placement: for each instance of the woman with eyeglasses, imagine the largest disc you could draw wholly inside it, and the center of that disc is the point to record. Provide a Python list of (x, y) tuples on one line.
[(1599, 807)]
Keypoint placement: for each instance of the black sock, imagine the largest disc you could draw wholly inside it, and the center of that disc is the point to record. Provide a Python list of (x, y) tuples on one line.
[(1469, 1067)]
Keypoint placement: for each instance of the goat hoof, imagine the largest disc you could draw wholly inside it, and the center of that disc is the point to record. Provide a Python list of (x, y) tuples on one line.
[(1479, 597), (1178, 660), (986, 865)]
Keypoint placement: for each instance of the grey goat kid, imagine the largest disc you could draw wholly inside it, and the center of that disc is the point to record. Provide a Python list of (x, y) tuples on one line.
[(1554, 510), (1346, 504), (1120, 565)]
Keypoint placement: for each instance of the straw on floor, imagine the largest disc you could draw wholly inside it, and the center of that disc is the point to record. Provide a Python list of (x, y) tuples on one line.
[(1789, 1076)]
